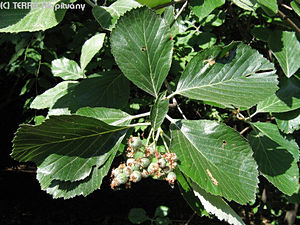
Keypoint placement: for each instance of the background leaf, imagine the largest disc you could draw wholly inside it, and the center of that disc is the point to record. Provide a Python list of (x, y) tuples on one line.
[(107, 16), (286, 48), (217, 206), (287, 98), (66, 69), (245, 4), (269, 6), (137, 216), (288, 122), (90, 48), (150, 52), (108, 90), (242, 80), (296, 7), (67, 147), (276, 157), (216, 157), (35, 19), (153, 3), (202, 8), (159, 111)]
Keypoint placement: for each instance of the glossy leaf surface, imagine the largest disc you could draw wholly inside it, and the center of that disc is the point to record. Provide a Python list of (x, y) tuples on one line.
[(216, 157), (276, 156), (107, 16), (144, 36), (288, 122), (67, 146), (202, 8), (269, 6), (66, 69), (287, 98), (241, 80), (90, 49)]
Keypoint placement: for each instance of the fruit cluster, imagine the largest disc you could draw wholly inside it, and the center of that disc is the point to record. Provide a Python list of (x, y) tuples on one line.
[(142, 162)]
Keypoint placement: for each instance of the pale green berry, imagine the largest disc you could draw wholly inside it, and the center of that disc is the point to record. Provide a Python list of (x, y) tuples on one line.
[(145, 162), (135, 142), (153, 168), (121, 178), (145, 173), (171, 178), (130, 162), (135, 176), (162, 163), (127, 171), (136, 166), (116, 171)]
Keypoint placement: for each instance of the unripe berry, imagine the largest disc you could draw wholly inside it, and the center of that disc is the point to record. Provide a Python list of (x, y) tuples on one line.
[(153, 168), (121, 178), (135, 142), (145, 173), (130, 162), (171, 178), (162, 163), (145, 162), (127, 171), (115, 172), (135, 176), (136, 166)]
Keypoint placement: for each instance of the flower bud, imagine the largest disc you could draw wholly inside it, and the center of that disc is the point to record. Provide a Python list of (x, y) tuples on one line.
[(135, 142), (135, 176), (145, 162), (162, 163), (121, 178)]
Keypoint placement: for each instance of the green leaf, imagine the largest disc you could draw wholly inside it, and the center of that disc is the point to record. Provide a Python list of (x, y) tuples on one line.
[(159, 110), (107, 16), (242, 80), (67, 189), (111, 116), (269, 6), (67, 147), (296, 7), (188, 194), (19, 19), (90, 48), (245, 4), (217, 206), (137, 216), (276, 156), (216, 157), (286, 48), (203, 8), (109, 90), (154, 3), (287, 98), (150, 52), (66, 69), (288, 122)]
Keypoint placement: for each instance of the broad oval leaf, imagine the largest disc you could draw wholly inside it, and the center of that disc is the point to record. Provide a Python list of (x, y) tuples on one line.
[(287, 98), (159, 110), (68, 189), (110, 90), (107, 16), (142, 48), (66, 69), (154, 3), (203, 8), (240, 81), (216, 157), (286, 48), (90, 48), (246, 4), (289, 121), (217, 206), (296, 7), (21, 17), (67, 146), (276, 157)]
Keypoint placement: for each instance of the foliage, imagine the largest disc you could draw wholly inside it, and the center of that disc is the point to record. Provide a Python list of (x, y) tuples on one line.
[(238, 94)]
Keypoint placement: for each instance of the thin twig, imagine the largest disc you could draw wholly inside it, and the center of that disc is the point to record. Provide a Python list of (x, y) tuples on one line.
[(167, 4), (189, 220), (170, 119), (179, 12), (286, 6), (138, 124), (244, 130), (289, 21), (174, 99)]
